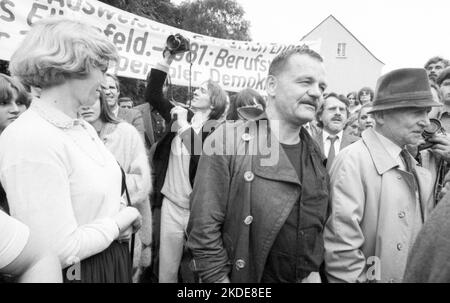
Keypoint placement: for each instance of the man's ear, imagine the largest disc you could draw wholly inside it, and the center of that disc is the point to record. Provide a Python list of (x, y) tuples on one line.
[(379, 117), (271, 85)]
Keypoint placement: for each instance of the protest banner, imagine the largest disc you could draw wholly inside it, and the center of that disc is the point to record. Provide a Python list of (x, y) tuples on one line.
[(140, 41)]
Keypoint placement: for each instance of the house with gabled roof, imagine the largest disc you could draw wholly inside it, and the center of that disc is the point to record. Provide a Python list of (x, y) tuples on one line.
[(350, 65)]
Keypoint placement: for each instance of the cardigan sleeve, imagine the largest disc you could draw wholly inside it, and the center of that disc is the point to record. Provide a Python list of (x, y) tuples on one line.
[(13, 238), (39, 196)]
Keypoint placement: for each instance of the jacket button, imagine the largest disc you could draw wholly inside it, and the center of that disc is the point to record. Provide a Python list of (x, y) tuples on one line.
[(399, 177), (401, 214), (399, 246), (246, 137), (249, 176), (248, 220), (240, 264)]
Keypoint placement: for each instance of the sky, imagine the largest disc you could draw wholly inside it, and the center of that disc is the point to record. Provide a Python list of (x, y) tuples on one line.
[(401, 33)]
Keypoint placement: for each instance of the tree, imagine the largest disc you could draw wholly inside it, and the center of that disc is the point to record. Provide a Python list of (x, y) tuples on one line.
[(217, 18), (162, 11)]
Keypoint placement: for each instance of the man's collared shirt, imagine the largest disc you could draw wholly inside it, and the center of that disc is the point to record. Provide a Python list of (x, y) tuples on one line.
[(327, 142), (393, 149)]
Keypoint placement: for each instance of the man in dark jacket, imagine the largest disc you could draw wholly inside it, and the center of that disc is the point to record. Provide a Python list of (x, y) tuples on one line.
[(260, 198)]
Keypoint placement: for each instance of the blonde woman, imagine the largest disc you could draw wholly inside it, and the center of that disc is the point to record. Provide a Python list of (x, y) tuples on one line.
[(59, 177)]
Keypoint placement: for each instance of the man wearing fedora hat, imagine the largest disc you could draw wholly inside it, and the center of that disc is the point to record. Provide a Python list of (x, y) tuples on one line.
[(380, 196)]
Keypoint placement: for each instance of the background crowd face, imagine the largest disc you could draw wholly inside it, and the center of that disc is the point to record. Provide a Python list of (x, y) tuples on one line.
[(365, 120), (201, 99), (445, 90), (434, 70), (353, 128), (126, 104), (334, 115), (365, 97), (351, 99), (111, 91), (403, 126), (298, 88), (9, 111)]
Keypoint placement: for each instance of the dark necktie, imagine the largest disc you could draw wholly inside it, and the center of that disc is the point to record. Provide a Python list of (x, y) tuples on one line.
[(332, 152), (410, 167), (407, 159)]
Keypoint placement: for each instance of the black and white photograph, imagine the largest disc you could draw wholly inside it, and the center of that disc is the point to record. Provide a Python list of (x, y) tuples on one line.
[(195, 142)]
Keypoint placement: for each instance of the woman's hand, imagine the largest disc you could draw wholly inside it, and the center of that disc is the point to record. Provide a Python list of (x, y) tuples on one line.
[(128, 220)]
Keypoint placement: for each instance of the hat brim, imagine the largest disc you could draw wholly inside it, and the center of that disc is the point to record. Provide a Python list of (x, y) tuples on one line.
[(403, 104)]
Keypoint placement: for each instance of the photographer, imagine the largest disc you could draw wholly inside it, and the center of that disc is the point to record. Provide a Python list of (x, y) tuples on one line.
[(175, 160), (437, 156)]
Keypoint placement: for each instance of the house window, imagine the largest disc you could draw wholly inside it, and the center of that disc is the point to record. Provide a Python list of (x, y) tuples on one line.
[(341, 50)]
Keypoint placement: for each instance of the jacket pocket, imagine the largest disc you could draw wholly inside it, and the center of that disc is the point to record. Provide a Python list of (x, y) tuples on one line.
[(312, 253)]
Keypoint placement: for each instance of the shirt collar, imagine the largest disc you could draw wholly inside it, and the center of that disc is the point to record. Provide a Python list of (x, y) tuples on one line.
[(392, 148), (54, 115), (327, 134)]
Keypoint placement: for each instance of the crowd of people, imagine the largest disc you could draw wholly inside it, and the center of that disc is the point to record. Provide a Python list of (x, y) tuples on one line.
[(299, 185)]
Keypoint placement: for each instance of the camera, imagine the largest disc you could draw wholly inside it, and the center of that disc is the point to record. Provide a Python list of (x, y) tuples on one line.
[(177, 44), (435, 127)]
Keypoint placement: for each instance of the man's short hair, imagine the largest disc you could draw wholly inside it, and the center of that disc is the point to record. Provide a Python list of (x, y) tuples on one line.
[(321, 108), (444, 75), (57, 49), (435, 60), (279, 62)]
